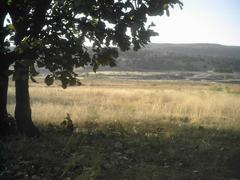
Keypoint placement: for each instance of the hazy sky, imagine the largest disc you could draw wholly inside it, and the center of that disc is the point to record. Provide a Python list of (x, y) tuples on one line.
[(201, 21)]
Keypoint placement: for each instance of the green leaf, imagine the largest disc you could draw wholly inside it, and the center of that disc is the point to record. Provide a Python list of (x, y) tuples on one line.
[(64, 85), (9, 2), (167, 12), (49, 80), (11, 27), (95, 67), (10, 72), (8, 21), (72, 82)]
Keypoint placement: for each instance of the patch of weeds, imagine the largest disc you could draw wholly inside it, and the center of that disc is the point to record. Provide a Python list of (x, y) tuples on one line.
[(185, 119), (131, 109), (216, 88), (90, 126)]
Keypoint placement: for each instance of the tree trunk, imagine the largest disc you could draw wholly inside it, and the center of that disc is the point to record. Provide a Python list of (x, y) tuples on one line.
[(23, 112), (3, 94), (7, 122)]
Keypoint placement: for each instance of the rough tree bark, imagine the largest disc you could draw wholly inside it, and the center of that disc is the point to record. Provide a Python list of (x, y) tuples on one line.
[(7, 123), (23, 112), (3, 94)]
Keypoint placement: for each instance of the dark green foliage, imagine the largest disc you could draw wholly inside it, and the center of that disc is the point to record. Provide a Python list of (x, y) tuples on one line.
[(68, 124), (49, 80), (52, 33)]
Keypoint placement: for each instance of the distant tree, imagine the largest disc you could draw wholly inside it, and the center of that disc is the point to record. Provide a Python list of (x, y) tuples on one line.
[(51, 34)]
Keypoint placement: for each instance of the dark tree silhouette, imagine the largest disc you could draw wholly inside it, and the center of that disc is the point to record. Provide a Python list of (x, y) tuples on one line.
[(51, 34)]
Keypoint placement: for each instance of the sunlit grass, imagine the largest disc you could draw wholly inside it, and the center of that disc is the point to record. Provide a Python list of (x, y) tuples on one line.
[(129, 130), (215, 105)]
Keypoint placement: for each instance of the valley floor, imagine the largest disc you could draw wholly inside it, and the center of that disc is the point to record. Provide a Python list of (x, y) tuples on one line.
[(129, 129)]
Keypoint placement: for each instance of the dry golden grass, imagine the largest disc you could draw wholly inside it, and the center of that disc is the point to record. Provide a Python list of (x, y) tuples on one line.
[(214, 105), (164, 130)]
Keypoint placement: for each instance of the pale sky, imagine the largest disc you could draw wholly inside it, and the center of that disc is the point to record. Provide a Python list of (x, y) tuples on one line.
[(201, 21)]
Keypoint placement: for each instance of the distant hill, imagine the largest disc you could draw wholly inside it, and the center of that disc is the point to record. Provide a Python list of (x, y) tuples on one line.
[(181, 57)]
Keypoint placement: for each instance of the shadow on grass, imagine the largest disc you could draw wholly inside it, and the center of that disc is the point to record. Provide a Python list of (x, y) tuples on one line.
[(123, 151)]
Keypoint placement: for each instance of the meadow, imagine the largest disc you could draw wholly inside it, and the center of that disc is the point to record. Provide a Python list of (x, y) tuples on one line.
[(129, 129), (205, 104)]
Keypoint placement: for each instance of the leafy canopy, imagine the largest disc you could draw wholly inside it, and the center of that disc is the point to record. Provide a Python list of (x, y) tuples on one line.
[(51, 33)]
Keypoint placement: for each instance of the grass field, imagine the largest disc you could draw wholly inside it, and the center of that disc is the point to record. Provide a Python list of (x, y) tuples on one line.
[(205, 104), (130, 130)]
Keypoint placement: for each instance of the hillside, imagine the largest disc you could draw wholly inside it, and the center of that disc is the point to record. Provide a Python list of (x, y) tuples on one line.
[(181, 57)]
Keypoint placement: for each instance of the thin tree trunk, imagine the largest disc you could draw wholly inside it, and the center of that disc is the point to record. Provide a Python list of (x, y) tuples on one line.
[(23, 112), (3, 94), (7, 123)]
